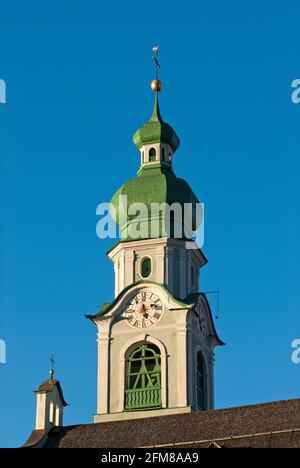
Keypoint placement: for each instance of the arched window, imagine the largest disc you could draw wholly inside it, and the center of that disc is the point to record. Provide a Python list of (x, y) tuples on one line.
[(143, 379), (146, 268), (152, 154), (201, 383)]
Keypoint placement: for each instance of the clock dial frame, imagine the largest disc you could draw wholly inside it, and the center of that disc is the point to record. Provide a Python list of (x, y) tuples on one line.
[(144, 310)]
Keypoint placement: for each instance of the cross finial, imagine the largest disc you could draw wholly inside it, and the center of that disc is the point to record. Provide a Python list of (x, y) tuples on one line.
[(52, 366)]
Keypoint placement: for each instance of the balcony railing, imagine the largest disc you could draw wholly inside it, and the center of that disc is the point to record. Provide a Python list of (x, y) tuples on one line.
[(143, 399)]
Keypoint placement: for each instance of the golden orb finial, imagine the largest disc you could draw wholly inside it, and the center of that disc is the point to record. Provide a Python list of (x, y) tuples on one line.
[(156, 86)]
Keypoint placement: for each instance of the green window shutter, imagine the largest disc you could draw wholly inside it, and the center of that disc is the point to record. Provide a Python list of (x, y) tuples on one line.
[(143, 379)]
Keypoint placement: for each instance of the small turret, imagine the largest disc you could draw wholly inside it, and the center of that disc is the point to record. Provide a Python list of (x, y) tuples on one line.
[(50, 405)]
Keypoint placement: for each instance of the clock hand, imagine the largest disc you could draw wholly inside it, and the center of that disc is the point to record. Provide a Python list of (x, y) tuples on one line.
[(142, 309)]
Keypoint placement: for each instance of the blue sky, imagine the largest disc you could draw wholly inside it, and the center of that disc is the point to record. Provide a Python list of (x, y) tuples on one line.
[(77, 76)]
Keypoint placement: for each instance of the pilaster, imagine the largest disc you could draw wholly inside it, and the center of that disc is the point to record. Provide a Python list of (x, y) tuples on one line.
[(103, 365), (183, 274), (170, 269), (182, 362)]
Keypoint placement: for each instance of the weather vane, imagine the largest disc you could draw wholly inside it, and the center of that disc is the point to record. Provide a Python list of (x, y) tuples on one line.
[(155, 58), (52, 366), (156, 84)]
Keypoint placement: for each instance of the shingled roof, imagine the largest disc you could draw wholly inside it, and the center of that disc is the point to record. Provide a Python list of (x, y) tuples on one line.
[(267, 425)]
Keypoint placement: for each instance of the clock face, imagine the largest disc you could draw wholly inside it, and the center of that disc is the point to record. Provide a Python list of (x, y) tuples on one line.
[(143, 310)]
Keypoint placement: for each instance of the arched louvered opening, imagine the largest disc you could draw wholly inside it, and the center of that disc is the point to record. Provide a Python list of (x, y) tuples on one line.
[(152, 154), (143, 379)]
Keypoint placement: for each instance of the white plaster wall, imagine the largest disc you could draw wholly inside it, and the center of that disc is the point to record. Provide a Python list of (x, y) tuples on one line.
[(127, 257), (200, 341), (49, 409), (169, 334), (158, 147), (179, 338)]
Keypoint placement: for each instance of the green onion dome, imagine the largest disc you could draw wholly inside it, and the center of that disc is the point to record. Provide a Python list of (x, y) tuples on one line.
[(153, 185), (156, 184)]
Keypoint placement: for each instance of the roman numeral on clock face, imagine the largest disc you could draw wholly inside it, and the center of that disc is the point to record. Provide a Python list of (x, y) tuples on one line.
[(143, 310)]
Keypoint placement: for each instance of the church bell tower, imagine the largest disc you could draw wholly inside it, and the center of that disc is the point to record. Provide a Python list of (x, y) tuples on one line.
[(156, 338)]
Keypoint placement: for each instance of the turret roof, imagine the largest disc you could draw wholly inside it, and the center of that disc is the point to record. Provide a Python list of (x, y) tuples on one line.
[(156, 130)]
